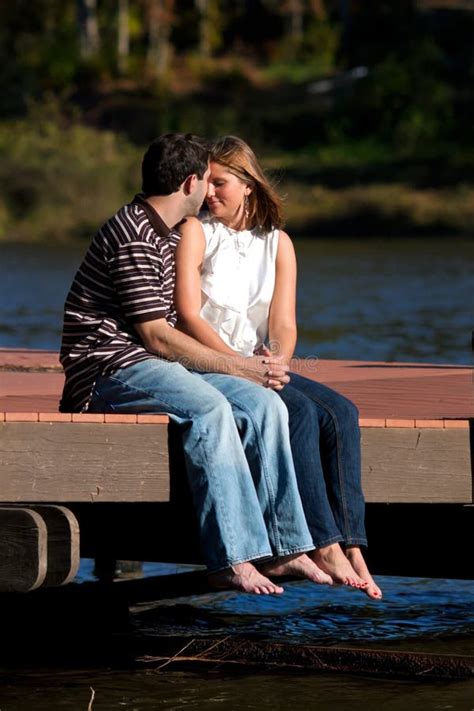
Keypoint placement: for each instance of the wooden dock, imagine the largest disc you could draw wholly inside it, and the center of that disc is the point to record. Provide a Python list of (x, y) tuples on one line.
[(416, 423)]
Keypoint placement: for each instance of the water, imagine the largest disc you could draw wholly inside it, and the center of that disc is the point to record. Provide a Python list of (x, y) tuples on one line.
[(405, 300), (412, 609), (366, 299)]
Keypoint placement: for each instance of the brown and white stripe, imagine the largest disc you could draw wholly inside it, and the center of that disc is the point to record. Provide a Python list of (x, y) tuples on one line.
[(127, 277)]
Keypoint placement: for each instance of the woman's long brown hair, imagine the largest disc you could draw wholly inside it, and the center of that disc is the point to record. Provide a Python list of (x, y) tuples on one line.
[(264, 203)]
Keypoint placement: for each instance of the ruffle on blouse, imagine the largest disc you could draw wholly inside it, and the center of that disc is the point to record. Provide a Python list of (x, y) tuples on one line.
[(225, 285)]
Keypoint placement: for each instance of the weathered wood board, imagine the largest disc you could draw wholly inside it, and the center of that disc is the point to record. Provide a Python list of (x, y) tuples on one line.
[(61, 462), (411, 465), (86, 462)]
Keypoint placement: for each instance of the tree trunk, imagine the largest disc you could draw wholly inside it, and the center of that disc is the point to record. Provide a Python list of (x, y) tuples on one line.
[(89, 40), (296, 12), (318, 9), (160, 16), (204, 28), (123, 37)]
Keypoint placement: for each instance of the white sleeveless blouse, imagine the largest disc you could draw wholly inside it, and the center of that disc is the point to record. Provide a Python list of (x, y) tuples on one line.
[(237, 283)]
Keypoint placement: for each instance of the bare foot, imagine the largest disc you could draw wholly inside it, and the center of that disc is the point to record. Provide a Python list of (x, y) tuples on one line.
[(355, 557), (332, 560), (244, 577), (299, 565)]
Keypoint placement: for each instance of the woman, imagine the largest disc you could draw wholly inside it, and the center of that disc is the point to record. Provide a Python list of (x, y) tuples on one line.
[(236, 292)]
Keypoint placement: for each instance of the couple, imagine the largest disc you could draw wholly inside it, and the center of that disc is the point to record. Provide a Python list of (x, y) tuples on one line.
[(180, 320)]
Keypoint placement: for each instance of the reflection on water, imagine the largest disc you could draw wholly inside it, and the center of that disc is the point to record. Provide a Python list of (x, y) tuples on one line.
[(366, 299), (171, 691)]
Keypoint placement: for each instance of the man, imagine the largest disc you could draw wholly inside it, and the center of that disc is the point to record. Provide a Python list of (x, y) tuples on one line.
[(121, 353)]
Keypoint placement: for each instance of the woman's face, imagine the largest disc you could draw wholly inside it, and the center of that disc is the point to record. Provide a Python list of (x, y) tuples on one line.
[(225, 194)]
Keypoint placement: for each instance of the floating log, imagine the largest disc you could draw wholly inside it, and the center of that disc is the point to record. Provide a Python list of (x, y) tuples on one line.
[(235, 653)]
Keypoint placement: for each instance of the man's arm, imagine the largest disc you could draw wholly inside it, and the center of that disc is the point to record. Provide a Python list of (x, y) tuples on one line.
[(162, 339)]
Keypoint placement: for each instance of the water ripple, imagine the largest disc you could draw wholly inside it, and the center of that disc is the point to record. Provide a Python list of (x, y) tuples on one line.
[(315, 614)]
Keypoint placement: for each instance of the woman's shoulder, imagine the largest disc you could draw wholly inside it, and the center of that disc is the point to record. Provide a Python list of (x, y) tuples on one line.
[(188, 223), (208, 222), (215, 232)]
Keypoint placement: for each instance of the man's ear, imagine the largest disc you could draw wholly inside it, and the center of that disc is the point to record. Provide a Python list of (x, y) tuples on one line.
[(189, 184)]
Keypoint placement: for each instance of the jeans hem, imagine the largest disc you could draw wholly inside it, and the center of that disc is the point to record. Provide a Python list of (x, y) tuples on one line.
[(329, 541), (356, 542), (292, 551), (247, 559)]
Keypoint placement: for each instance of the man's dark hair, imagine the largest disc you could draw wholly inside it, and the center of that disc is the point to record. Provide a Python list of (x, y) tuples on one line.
[(170, 159)]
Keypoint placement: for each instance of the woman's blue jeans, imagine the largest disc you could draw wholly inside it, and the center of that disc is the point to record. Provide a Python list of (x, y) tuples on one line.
[(237, 452), (325, 441)]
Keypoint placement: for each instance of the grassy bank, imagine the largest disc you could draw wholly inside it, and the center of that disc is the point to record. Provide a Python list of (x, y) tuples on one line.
[(60, 180)]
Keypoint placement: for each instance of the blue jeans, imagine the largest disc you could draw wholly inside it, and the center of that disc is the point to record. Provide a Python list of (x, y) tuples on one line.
[(237, 453), (325, 441)]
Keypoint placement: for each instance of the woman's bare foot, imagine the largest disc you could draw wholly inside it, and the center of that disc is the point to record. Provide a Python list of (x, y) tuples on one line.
[(300, 565), (356, 559), (244, 577), (332, 560)]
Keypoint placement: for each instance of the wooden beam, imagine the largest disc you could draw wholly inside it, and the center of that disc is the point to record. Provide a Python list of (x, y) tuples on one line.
[(61, 462), (86, 462), (416, 465), (23, 549)]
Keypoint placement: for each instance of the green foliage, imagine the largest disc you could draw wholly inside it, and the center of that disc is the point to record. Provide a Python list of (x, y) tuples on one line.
[(60, 180), (245, 69), (405, 100), (306, 58)]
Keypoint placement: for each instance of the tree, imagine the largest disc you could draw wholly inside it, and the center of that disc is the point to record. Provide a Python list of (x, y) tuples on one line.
[(123, 36), (89, 38), (159, 15), (209, 24)]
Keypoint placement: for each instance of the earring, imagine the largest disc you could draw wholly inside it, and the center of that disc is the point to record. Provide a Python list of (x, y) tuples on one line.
[(246, 207)]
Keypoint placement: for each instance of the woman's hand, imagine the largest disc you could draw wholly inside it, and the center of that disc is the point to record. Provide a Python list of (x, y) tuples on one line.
[(276, 377), (263, 350)]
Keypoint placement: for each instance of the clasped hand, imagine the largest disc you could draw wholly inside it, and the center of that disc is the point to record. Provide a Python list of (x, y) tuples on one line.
[(274, 368)]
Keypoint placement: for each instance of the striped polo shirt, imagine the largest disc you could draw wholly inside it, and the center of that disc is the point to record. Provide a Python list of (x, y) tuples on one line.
[(127, 277)]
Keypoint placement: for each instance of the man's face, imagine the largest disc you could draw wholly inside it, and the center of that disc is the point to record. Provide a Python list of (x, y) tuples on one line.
[(196, 198)]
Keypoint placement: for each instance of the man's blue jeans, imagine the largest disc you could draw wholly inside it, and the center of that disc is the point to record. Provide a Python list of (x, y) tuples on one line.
[(237, 452), (325, 441)]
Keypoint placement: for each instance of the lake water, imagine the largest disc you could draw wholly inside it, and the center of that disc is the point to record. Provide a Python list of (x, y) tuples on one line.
[(362, 299), (405, 300)]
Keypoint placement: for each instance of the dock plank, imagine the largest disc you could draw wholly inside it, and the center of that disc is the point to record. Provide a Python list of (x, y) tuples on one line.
[(380, 390), (414, 419), (416, 465), (61, 462)]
